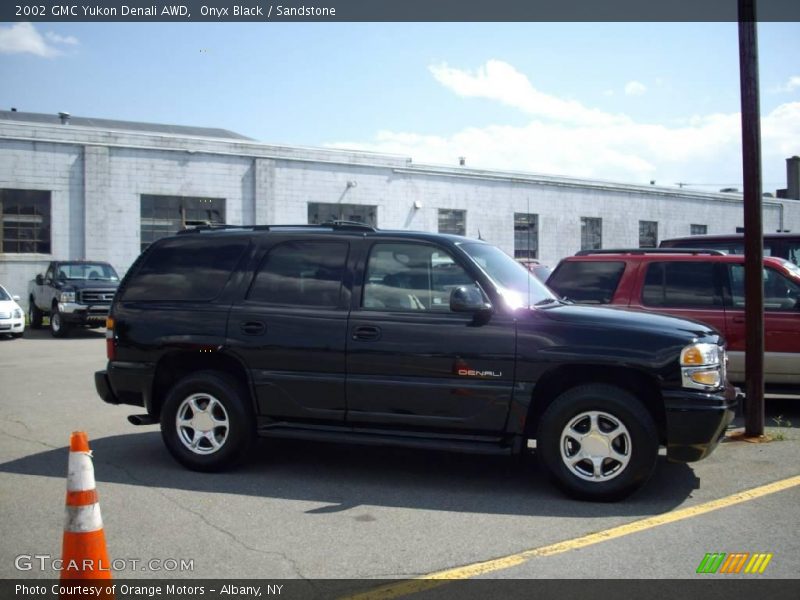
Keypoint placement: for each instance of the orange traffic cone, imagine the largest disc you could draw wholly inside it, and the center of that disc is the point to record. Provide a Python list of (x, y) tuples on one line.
[(84, 550)]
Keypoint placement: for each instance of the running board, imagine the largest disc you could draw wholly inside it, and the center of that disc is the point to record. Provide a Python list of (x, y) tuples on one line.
[(492, 446)]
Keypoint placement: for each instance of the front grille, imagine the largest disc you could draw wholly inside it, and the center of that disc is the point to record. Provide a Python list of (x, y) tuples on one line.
[(5, 315), (96, 296)]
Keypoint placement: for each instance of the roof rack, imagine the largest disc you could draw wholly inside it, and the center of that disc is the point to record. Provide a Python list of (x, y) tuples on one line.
[(338, 225), (639, 251)]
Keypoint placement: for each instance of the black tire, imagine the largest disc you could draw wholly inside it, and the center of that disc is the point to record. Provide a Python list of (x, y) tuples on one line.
[(16, 336), (34, 314), (235, 441), (58, 327), (621, 430)]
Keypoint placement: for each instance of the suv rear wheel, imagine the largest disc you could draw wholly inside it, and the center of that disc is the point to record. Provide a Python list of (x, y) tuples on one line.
[(598, 441), (206, 422)]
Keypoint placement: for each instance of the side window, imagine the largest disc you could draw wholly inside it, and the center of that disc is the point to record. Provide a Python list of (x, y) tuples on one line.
[(681, 285), (587, 282), (49, 275), (780, 293), (301, 274), (411, 277), (793, 252), (186, 269)]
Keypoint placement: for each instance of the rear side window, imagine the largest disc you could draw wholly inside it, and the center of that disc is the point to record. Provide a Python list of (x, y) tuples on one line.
[(681, 284), (587, 282), (301, 274), (185, 269)]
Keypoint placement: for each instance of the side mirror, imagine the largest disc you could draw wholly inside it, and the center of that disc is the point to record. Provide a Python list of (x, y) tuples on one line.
[(469, 299), (39, 279), (15, 298)]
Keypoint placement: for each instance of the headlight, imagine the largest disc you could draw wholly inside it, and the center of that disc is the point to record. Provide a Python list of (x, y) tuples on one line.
[(703, 366), (17, 313), (67, 296)]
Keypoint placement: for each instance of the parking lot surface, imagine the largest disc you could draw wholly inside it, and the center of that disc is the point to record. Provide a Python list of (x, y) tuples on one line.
[(312, 510)]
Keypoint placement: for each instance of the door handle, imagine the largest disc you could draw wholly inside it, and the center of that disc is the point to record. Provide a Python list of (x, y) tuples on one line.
[(738, 319), (367, 333), (252, 327)]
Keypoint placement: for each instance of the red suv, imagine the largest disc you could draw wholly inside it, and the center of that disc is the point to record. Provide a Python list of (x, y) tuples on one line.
[(706, 286)]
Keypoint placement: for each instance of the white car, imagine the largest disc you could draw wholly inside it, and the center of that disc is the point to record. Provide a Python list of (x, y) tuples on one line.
[(12, 317)]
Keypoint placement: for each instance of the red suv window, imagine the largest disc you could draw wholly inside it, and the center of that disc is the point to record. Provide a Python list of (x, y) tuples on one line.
[(681, 284)]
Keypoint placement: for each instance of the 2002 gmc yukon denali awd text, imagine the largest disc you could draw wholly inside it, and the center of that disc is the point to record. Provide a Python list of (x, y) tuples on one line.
[(344, 332)]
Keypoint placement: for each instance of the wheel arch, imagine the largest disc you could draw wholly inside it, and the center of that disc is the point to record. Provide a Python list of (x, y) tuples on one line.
[(177, 364), (556, 381)]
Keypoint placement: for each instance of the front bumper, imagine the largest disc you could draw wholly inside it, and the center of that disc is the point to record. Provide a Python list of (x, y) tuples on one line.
[(696, 421), (12, 325), (83, 314)]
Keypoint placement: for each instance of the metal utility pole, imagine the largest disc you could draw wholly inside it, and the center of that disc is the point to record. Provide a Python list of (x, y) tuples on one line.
[(753, 225)]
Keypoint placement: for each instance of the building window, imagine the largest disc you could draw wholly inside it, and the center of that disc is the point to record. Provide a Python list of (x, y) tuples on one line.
[(591, 233), (526, 235), (25, 221), (698, 229), (162, 216), (648, 234), (452, 221), (323, 212)]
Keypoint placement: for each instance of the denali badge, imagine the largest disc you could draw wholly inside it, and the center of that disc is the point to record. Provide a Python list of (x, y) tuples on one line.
[(473, 373)]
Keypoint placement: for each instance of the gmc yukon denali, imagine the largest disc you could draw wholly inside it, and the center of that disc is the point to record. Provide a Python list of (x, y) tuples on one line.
[(344, 332)]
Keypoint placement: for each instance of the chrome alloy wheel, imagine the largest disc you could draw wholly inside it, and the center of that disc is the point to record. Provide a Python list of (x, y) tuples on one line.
[(595, 446), (202, 424)]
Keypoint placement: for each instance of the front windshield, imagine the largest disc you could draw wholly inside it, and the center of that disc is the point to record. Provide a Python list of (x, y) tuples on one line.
[(518, 286), (87, 271), (3, 295)]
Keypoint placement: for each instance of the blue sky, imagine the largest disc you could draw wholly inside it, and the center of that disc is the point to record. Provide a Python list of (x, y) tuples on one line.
[(627, 102)]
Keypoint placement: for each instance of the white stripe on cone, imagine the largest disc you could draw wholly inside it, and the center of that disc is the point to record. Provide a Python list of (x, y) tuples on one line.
[(82, 519), (80, 472)]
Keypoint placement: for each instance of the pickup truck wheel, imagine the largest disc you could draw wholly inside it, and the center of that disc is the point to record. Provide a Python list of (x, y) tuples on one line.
[(207, 422), (598, 442), (34, 314), (58, 327)]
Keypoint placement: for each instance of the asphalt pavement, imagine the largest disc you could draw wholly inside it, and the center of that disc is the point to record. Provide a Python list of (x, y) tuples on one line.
[(314, 510)]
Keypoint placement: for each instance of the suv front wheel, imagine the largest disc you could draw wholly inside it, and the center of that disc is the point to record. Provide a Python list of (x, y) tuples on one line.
[(598, 441), (207, 422)]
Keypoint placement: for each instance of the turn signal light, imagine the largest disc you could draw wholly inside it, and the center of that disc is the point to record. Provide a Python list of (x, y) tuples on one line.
[(710, 378), (692, 356)]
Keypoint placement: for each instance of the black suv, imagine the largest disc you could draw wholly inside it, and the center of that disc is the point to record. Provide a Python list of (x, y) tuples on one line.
[(344, 332)]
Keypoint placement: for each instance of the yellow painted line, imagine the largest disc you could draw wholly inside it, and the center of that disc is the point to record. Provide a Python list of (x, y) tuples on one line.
[(433, 580)]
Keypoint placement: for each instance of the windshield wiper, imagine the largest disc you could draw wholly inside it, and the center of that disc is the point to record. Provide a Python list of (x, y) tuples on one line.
[(546, 301)]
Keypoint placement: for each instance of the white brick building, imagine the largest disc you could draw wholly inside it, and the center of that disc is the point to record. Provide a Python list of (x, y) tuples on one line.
[(83, 188)]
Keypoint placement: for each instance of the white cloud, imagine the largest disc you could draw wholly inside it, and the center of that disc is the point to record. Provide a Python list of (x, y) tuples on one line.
[(567, 138), (791, 85), (497, 80), (62, 39), (635, 88), (23, 38)]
